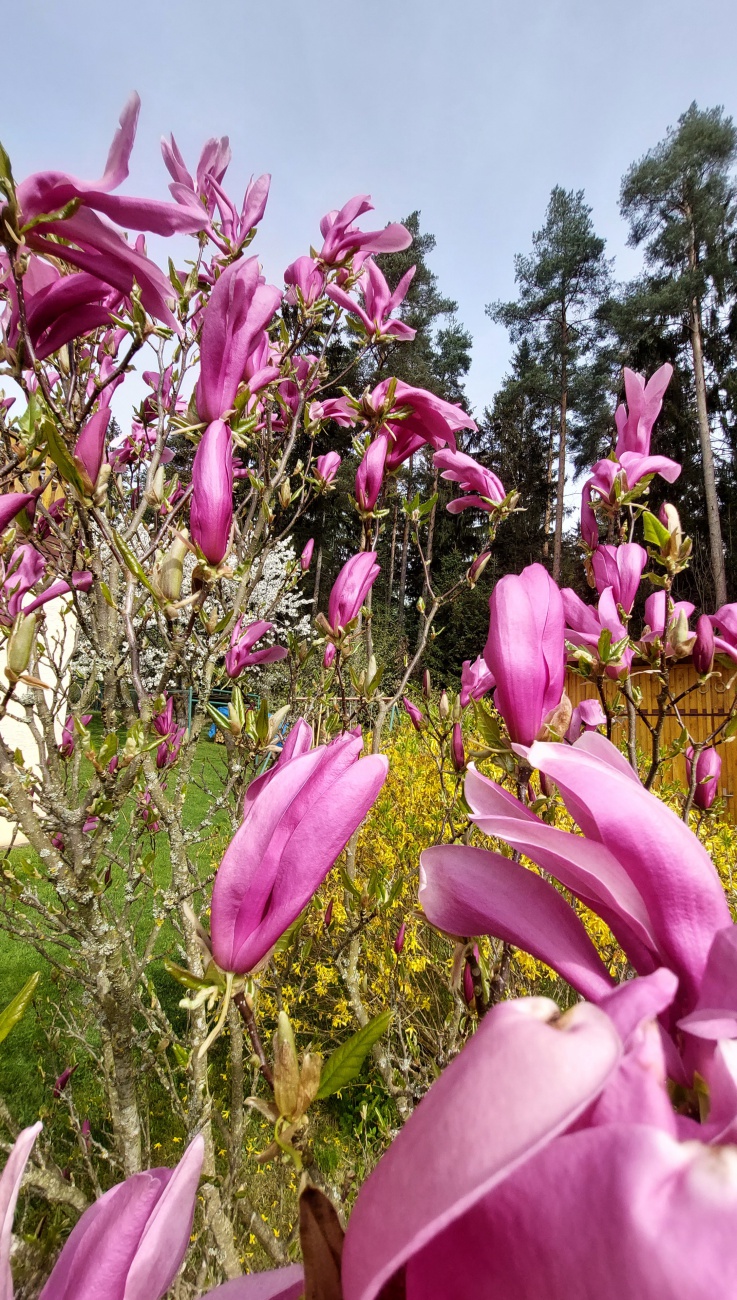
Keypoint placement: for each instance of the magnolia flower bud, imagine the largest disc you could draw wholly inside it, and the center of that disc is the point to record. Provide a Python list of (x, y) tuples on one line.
[(444, 705), (468, 989), (426, 685), (20, 645), (399, 941), (285, 494), (171, 571), (558, 720), (309, 1082), (670, 519), (457, 752), (680, 636), (328, 915), (703, 650), (286, 1067), (416, 716), (477, 568)]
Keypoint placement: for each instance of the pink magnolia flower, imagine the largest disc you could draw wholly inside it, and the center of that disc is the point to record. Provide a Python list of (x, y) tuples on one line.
[(241, 653), (24, 571), (708, 771), (656, 612), (133, 1239), (379, 303), (486, 488), (91, 243), (239, 308), (11, 504), (704, 645), (589, 526), (341, 238), (476, 681), (611, 479), (724, 623), (168, 751), (130, 1243), (235, 227), (586, 716), (58, 307), (370, 473), (415, 715), (412, 416), (585, 624), (211, 510), (294, 828), (525, 650), (213, 163), (351, 588), (548, 1122), (326, 468), (306, 280), (68, 734), (305, 559), (457, 752), (621, 568), (637, 865), (89, 449), (645, 401)]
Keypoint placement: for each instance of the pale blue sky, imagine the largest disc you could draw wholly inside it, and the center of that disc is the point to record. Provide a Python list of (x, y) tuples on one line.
[(470, 110)]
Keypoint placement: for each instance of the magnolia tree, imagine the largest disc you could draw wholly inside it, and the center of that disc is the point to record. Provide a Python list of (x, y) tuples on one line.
[(147, 577)]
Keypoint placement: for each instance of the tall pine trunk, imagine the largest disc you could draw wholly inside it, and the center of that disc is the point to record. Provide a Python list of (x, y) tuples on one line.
[(716, 545), (560, 499)]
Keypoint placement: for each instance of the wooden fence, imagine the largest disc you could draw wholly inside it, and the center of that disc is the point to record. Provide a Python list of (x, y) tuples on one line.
[(703, 708)]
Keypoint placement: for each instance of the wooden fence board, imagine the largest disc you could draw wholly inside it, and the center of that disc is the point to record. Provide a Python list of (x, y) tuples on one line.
[(705, 705)]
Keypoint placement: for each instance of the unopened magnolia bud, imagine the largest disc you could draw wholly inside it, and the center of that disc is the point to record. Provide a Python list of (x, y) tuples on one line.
[(477, 568), (457, 752), (171, 571), (372, 669), (285, 494), (309, 1082), (20, 645), (328, 915), (421, 605), (286, 1067), (558, 720), (155, 494), (416, 716), (444, 705), (703, 650), (670, 519), (235, 724), (680, 636), (426, 685), (99, 495), (399, 941)]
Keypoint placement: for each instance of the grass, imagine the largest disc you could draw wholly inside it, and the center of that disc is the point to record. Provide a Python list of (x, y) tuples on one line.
[(35, 1053)]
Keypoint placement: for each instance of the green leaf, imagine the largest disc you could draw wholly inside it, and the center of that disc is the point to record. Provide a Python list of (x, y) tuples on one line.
[(62, 457), (346, 1062), (107, 596), (290, 934), (654, 531), (16, 1009), (132, 562), (184, 977), (488, 727)]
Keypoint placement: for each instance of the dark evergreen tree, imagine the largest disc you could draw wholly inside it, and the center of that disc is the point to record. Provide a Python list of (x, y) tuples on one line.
[(680, 201), (563, 284)]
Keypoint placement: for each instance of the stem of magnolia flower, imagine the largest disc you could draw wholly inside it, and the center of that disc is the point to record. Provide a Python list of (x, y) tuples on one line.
[(241, 1002)]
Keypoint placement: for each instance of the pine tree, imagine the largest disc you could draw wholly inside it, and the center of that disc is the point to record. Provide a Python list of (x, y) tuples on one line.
[(563, 284), (680, 201)]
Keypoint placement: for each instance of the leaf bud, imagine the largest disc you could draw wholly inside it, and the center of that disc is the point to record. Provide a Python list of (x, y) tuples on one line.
[(171, 571), (286, 1067), (20, 645)]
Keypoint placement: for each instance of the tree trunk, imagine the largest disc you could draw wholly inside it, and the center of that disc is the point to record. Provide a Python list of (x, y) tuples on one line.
[(390, 587), (318, 574), (716, 546), (549, 482), (560, 500)]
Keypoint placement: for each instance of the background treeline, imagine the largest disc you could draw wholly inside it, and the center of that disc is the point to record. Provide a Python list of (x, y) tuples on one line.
[(573, 327)]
